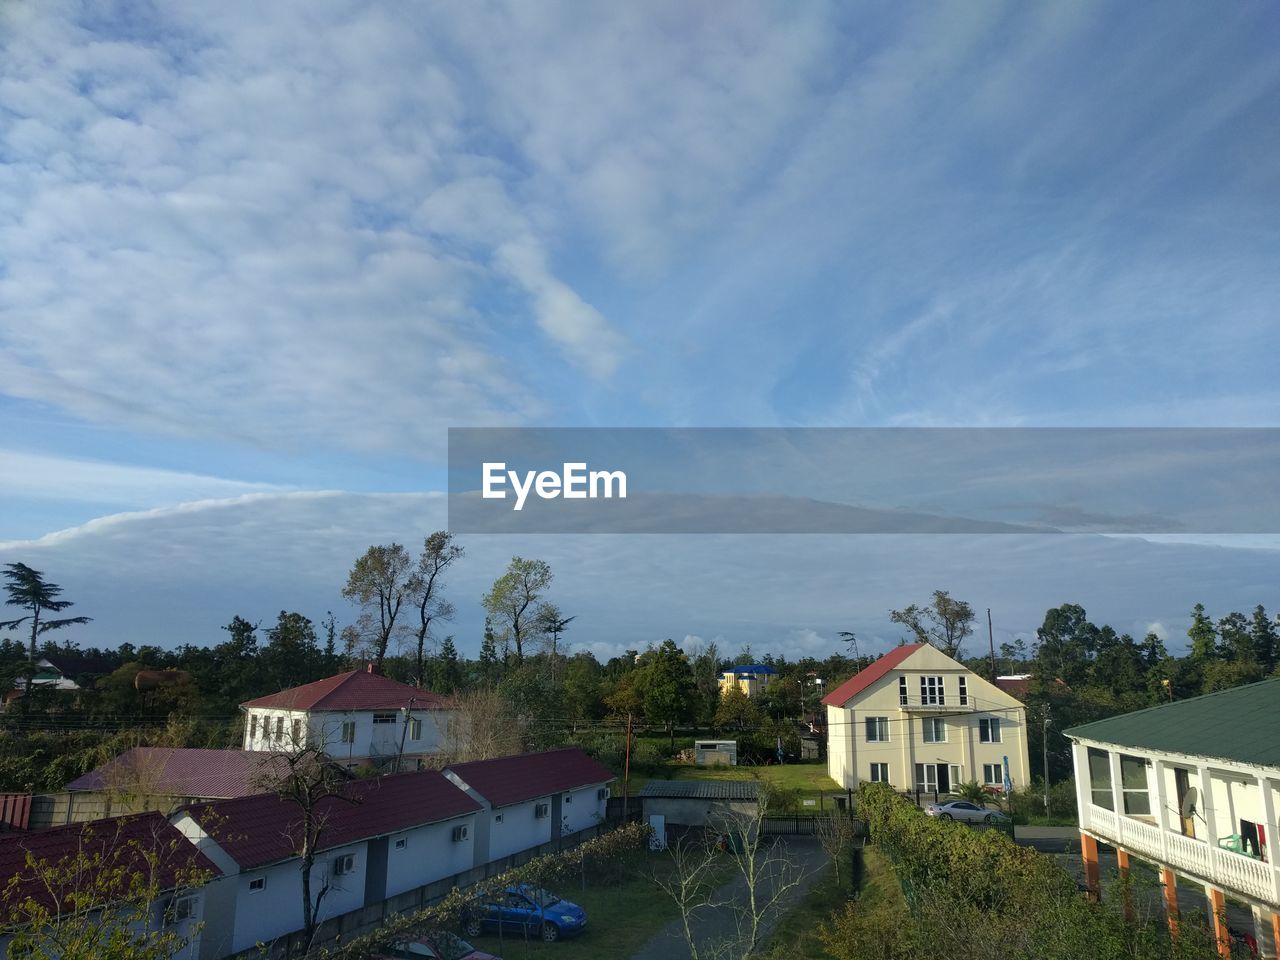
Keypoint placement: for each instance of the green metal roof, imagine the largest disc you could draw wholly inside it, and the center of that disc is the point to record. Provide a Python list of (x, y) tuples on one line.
[(1241, 724)]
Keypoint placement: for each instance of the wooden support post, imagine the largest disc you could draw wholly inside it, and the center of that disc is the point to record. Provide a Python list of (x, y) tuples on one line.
[(1275, 928), (1218, 906), (1089, 853), (1170, 881), (1126, 891)]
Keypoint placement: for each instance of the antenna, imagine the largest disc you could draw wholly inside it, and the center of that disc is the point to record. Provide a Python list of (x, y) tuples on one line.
[(1187, 808)]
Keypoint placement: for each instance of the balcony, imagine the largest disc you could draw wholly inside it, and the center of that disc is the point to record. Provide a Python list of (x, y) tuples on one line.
[(936, 704), (1237, 872)]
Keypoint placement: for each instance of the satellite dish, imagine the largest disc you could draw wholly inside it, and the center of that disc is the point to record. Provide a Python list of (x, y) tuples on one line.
[(1188, 806)]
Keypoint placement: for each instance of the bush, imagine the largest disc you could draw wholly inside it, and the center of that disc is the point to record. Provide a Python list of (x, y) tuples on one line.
[(1027, 804)]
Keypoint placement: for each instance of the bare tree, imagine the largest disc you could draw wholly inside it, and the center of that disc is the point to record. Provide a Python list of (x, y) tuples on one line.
[(836, 832), (426, 586), (514, 601), (379, 583), (483, 724)]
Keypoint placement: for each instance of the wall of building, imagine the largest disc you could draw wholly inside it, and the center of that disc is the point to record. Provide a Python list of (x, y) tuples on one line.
[(582, 808), (515, 828), (690, 812), (429, 854)]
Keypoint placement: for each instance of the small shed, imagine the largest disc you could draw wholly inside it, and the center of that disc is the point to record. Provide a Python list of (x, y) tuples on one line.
[(713, 753), (699, 803)]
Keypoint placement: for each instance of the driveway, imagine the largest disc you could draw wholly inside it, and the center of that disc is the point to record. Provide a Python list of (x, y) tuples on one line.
[(711, 925)]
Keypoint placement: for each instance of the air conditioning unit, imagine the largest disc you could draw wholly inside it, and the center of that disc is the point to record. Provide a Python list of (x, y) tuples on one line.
[(541, 810), (344, 864), (461, 832), (602, 793)]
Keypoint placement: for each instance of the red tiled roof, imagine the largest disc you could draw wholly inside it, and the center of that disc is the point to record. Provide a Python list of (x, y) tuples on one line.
[(527, 776), (865, 678), (256, 831), (1017, 687), (100, 846), (174, 772), (355, 690)]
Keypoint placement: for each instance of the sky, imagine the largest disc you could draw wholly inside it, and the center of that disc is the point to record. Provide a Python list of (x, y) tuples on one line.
[(256, 260)]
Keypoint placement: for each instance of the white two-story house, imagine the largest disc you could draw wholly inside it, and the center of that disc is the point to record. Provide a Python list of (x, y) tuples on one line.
[(919, 720), (358, 718), (1192, 787), (532, 798)]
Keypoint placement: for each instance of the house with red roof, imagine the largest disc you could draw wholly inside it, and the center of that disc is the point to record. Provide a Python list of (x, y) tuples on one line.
[(532, 798), (166, 778), (379, 837), (359, 718), (919, 720), (97, 860)]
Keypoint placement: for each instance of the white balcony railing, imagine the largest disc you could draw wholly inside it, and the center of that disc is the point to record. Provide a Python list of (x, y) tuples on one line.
[(940, 703), (1232, 871)]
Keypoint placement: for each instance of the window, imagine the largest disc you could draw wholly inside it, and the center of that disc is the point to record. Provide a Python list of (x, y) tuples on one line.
[(253, 726), (989, 730), (964, 691), (993, 775), (384, 718), (541, 810), (348, 731), (401, 843), (568, 798), (1133, 785), (279, 728), (460, 833), (935, 730), (415, 728), (497, 818), (1100, 779), (877, 729), (257, 883), (931, 691), (879, 773), (181, 909), (902, 691), (297, 733), (343, 865)]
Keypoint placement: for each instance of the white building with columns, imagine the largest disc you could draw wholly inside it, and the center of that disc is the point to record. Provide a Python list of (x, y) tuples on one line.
[(1192, 787)]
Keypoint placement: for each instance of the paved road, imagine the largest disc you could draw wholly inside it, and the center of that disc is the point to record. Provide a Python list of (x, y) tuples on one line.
[(711, 925)]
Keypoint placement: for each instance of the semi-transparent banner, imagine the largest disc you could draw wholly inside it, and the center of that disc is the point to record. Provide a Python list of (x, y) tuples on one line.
[(864, 480)]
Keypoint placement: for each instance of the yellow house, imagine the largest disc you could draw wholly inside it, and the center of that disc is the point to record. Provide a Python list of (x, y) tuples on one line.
[(752, 679), (919, 720)]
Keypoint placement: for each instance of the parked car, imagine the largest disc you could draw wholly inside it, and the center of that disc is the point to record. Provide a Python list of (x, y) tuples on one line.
[(528, 910), (964, 810), (435, 946)]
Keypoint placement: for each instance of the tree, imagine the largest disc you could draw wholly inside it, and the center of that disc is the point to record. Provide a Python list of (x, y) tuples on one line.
[(489, 668), (1204, 639), (439, 552), (483, 725), (292, 653), (582, 688), (447, 673), (27, 589), (736, 711), (379, 583), (849, 637), (551, 623), (666, 687), (1064, 645), (1265, 643), (514, 601), (944, 623), (706, 678)]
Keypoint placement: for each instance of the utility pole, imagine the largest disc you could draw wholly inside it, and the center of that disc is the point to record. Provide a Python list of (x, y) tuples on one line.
[(408, 719), (991, 639), (1045, 745), (626, 774)]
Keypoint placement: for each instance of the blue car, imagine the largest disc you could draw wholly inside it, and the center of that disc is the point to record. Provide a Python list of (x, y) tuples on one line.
[(529, 911)]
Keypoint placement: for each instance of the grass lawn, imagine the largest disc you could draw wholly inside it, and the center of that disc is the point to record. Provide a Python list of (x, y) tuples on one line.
[(620, 918)]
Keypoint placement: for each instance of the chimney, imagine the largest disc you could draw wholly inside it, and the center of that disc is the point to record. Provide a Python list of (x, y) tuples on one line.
[(372, 667)]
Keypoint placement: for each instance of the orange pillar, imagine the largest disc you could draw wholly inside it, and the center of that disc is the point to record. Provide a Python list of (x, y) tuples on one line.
[(1275, 930), (1122, 862), (1089, 853), (1218, 905), (1170, 882)]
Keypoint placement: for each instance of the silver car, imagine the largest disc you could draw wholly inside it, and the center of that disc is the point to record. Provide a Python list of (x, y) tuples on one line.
[(963, 810)]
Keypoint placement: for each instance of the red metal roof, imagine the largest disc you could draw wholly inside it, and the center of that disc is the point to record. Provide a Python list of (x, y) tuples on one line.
[(256, 831), (527, 776), (355, 690), (97, 848), (174, 772), (865, 678)]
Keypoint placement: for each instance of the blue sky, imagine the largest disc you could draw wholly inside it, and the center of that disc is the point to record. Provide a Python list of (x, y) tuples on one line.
[(249, 254)]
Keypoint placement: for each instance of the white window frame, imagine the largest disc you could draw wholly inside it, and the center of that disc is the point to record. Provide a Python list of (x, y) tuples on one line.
[(989, 730), (904, 697), (933, 691), (415, 728), (257, 884), (348, 731), (879, 773), (987, 781), (964, 690), (934, 726), (401, 843), (383, 717), (878, 725)]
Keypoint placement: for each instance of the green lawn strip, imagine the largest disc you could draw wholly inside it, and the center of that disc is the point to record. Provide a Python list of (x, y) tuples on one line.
[(621, 918), (810, 779)]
